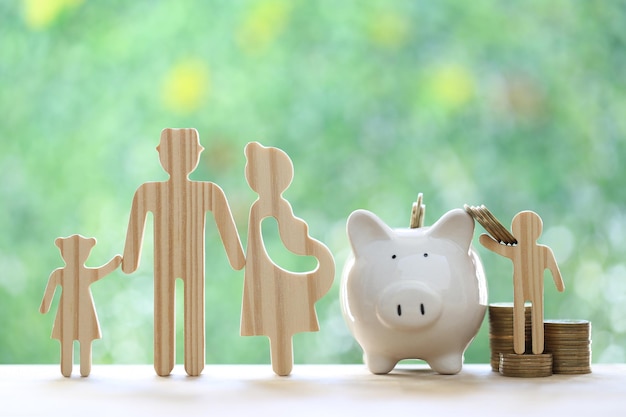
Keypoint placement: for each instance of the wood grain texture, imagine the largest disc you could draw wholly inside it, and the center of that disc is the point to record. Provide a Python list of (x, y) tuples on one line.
[(278, 303), (530, 260), (179, 208), (76, 317)]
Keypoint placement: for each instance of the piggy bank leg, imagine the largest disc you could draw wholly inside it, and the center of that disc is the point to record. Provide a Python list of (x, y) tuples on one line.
[(448, 364), (379, 364)]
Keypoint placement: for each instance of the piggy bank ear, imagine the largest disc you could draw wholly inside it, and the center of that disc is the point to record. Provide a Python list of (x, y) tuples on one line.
[(365, 227), (456, 225)]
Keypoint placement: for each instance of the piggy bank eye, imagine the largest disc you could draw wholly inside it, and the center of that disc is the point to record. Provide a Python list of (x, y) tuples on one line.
[(425, 255), (393, 256)]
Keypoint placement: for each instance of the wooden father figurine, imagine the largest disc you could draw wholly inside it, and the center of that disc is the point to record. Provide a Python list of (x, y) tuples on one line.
[(179, 208)]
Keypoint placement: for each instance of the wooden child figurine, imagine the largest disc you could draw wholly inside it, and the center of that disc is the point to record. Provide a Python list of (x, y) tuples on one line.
[(278, 303), (179, 208), (76, 317), (530, 260)]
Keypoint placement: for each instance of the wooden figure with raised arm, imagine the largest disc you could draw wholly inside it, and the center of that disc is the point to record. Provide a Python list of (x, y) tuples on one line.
[(530, 260), (179, 208), (278, 303), (76, 317)]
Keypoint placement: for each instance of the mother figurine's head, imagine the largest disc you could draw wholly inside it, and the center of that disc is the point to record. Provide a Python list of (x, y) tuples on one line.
[(269, 171)]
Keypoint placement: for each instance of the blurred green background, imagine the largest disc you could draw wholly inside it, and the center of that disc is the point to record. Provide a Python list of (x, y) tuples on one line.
[(516, 105)]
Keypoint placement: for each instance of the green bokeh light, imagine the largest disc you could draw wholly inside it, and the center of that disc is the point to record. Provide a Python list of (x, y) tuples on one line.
[(516, 105)]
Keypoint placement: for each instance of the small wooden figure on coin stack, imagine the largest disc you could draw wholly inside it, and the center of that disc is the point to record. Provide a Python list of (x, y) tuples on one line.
[(76, 317), (179, 207), (278, 303), (530, 260)]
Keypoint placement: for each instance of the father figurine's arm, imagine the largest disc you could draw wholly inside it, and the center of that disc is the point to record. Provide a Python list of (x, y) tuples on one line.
[(226, 226), (136, 227)]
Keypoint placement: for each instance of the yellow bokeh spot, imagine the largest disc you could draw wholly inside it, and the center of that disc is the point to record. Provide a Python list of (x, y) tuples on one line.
[(389, 30), (186, 86), (452, 86), (262, 24), (39, 14)]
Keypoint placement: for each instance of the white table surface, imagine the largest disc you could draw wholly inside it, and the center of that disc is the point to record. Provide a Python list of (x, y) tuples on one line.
[(311, 390)]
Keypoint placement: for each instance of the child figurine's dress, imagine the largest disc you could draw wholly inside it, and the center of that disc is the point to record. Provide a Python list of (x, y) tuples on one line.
[(278, 303)]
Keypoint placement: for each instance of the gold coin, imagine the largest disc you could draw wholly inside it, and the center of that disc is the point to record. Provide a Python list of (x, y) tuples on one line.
[(501, 330), (417, 213), (525, 366), (569, 341), (492, 225)]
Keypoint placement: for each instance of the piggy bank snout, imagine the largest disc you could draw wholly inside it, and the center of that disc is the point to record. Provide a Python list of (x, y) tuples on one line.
[(408, 306)]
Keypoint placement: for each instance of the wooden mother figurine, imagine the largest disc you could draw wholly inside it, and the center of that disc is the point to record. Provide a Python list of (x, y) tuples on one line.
[(278, 303)]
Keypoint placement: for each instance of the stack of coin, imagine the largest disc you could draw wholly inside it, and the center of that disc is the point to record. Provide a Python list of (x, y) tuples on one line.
[(492, 225), (526, 366), (501, 331), (569, 342)]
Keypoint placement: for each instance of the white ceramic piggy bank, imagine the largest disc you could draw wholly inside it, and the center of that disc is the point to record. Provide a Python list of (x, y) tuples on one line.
[(413, 293)]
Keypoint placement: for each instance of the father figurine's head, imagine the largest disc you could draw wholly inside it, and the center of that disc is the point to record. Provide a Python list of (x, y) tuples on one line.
[(179, 151)]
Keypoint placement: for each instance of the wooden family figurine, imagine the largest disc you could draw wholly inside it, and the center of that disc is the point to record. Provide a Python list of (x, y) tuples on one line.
[(179, 208), (278, 303), (530, 260), (76, 317)]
